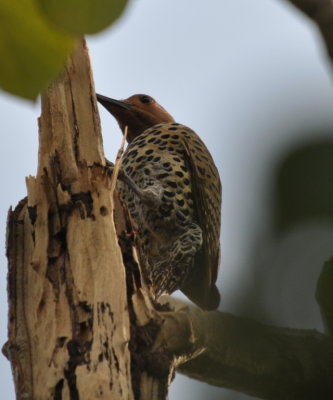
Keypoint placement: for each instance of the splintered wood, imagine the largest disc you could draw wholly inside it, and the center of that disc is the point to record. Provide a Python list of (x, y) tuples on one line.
[(69, 326)]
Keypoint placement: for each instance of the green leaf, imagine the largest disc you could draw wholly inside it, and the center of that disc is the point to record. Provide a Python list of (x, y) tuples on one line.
[(82, 16), (32, 52)]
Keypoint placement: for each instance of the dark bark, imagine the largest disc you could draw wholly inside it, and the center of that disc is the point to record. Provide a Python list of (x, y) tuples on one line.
[(264, 361)]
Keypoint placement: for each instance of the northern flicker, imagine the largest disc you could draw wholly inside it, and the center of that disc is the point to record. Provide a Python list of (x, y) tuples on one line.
[(173, 192)]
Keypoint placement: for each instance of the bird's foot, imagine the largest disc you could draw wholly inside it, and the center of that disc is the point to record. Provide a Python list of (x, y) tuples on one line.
[(148, 196)]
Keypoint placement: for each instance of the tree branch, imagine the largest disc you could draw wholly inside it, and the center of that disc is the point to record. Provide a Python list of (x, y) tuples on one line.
[(264, 361)]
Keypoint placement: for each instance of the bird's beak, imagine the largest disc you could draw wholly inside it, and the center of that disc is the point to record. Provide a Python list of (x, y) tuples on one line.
[(110, 104)]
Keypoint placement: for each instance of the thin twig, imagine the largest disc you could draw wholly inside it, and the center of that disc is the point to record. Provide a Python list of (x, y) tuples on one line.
[(118, 161)]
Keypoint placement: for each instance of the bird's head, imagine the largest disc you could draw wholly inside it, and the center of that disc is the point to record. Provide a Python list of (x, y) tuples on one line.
[(139, 112)]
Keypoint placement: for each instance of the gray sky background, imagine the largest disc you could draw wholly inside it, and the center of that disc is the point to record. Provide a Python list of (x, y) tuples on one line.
[(252, 79)]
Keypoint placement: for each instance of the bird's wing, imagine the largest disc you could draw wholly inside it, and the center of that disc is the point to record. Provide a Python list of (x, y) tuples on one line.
[(206, 186)]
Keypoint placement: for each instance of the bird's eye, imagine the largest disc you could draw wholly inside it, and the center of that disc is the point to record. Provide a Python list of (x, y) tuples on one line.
[(145, 99)]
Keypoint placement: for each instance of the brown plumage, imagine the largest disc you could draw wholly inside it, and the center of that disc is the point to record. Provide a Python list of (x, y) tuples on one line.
[(173, 192)]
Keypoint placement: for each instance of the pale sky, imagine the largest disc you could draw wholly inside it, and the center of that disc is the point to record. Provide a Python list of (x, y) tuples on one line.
[(251, 78)]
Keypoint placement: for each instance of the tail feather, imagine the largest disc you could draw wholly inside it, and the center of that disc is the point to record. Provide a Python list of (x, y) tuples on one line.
[(207, 300)]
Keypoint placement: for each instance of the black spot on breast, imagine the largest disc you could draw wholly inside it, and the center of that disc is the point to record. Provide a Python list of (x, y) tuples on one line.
[(146, 171), (149, 151), (141, 139), (184, 168), (162, 176), (172, 184), (169, 148), (150, 158), (165, 136), (186, 181), (180, 202), (155, 133), (156, 159), (165, 210), (177, 159), (185, 211), (152, 140), (172, 128), (180, 216), (141, 158), (179, 173), (174, 142), (129, 169), (169, 194), (132, 153)]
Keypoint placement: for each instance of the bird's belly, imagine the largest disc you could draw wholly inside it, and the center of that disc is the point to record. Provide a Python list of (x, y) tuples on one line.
[(165, 218)]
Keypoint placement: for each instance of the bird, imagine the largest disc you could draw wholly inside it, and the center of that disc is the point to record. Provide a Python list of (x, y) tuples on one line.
[(172, 188)]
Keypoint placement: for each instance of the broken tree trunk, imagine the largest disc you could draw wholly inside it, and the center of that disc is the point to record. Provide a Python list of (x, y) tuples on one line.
[(70, 335)]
